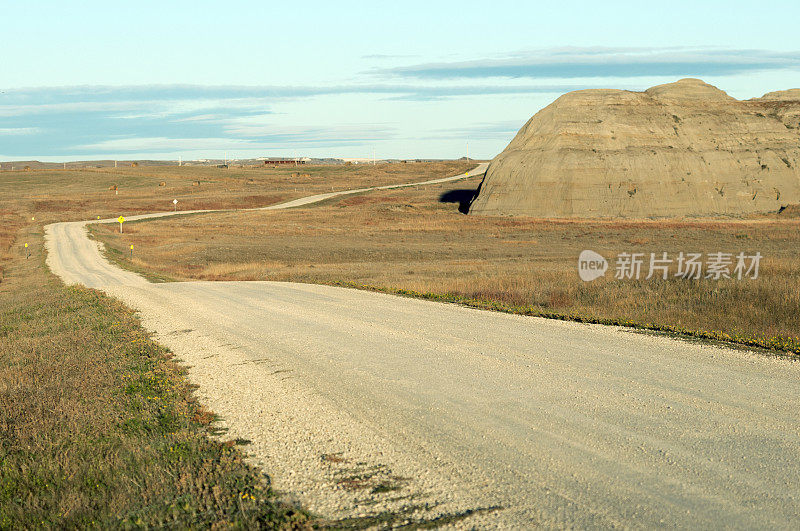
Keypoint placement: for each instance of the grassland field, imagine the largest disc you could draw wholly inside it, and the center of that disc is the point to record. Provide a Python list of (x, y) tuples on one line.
[(98, 425), (105, 453), (416, 242)]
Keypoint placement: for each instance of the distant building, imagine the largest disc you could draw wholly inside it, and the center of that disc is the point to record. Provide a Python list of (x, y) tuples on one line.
[(280, 162)]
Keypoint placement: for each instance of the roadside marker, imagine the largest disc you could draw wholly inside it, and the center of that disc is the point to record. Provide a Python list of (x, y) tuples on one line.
[(175, 202), (131, 251), (26, 252), (121, 220), (98, 217)]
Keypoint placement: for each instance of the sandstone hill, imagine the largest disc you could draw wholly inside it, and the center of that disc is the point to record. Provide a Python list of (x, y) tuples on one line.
[(680, 149)]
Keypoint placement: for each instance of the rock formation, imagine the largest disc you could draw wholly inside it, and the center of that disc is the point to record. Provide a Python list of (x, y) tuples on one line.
[(680, 149)]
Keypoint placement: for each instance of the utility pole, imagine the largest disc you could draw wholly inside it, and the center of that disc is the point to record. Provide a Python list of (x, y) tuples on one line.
[(467, 151), (180, 162), (226, 158), (373, 156)]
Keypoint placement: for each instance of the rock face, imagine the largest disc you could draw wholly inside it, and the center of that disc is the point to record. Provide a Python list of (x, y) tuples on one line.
[(680, 149), (784, 105)]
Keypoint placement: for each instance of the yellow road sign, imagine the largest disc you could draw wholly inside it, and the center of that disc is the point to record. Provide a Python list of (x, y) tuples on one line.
[(120, 219), (26, 245)]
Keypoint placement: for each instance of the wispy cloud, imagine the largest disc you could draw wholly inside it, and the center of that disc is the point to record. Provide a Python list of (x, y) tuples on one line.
[(16, 131), (386, 57), (268, 138), (101, 120), (572, 63), (503, 130), (26, 101), (97, 120)]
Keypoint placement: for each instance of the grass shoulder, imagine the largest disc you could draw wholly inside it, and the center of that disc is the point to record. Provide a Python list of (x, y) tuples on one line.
[(99, 426)]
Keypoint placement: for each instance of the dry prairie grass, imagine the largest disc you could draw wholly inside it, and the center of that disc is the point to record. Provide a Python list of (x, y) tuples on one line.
[(407, 241), (98, 426), (10, 224), (64, 195)]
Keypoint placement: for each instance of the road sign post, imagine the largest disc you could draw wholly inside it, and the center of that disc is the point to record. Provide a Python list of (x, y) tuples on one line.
[(121, 221), (175, 203), (131, 251), (27, 253)]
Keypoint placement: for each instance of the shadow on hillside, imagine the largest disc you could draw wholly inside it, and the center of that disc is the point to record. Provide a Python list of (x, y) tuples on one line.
[(462, 197), (789, 211)]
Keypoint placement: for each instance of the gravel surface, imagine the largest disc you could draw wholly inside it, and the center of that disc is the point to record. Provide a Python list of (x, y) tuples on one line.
[(367, 405)]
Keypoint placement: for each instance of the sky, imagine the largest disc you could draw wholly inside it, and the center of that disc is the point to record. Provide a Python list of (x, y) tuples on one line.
[(169, 79)]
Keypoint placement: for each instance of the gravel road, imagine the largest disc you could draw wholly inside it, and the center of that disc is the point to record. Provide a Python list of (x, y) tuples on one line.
[(367, 405)]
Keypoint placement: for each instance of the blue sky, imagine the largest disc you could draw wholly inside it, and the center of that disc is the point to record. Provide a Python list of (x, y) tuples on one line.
[(412, 79)]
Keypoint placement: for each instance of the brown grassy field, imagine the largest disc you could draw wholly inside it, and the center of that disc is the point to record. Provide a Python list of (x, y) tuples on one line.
[(408, 241), (67, 195), (58, 195)]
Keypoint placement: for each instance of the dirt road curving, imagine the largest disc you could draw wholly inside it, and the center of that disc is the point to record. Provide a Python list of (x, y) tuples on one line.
[(374, 406)]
